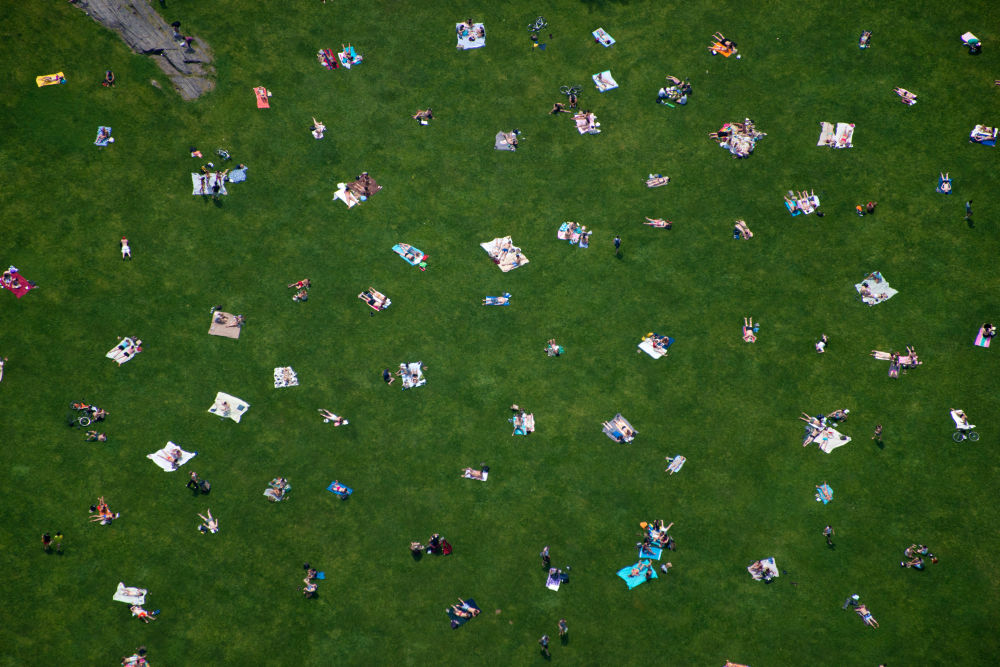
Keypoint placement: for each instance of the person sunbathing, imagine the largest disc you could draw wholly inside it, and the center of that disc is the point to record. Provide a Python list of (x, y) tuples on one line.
[(330, 417), (496, 301), (141, 614), (416, 547), (838, 415), (510, 138), (748, 334), (93, 436), (812, 422), (558, 107), (866, 616), (338, 488), (304, 283), (423, 115), (210, 525), (310, 588), (989, 331), (463, 610), (917, 563), (944, 185), (742, 230), (659, 223), (301, 295), (474, 474), (906, 97)]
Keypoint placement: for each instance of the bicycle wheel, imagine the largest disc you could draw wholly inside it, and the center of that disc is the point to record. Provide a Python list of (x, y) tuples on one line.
[(565, 90), (83, 420), (973, 436)]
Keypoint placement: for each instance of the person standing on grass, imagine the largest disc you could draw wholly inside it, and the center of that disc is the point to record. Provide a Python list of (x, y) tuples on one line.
[(46, 543), (58, 540), (828, 534), (563, 628), (546, 561), (618, 245), (968, 210), (878, 434), (544, 643)]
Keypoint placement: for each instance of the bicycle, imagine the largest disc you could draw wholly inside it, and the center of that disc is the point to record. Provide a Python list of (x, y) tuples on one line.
[(570, 90), (962, 435), (539, 25)]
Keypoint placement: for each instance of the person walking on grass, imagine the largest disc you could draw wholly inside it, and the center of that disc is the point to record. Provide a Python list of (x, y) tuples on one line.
[(828, 534), (563, 628), (618, 245), (544, 643), (878, 434), (546, 560)]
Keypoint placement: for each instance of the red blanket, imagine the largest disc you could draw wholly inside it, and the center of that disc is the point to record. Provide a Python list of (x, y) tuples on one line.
[(24, 287)]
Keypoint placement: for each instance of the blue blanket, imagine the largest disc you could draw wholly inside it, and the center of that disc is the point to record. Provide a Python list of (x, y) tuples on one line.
[(103, 136), (633, 581), (651, 552), (339, 489), (237, 175), (458, 621)]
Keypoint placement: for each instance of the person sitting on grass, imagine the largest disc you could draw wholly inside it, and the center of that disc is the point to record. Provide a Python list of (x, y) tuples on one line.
[(210, 525), (95, 436), (821, 343), (301, 295), (659, 223), (989, 331), (552, 348), (416, 548), (330, 417), (317, 129)]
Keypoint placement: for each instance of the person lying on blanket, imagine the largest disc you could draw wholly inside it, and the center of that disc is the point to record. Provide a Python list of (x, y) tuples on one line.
[(866, 616), (496, 301), (338, 488), (907, 97), (475, 474), (423, 115), (210, 525), (640, 568), (742, 231), (330, 417), (658, 222), (748, 334), (463, 609), (944, 183)]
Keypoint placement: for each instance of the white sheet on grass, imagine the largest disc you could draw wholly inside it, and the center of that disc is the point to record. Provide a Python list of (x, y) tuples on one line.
[(647, 347), (163, 457), (209, 184), (130, 594), (285, 376)]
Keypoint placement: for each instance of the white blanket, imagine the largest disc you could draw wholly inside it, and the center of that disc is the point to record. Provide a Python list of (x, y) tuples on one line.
[(346, 196), (504, 253), (166, 459), (828, 439), (130, 595), (210, 181), (236, 407), (604, 81), (284, 376), (124, 351), (826, 134), (647, 347), (409, 370), (471, 39), (769, 568), (845, 133), (880, 291)]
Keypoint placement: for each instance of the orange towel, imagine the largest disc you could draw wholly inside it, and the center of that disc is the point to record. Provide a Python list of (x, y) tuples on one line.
[(261, 93)]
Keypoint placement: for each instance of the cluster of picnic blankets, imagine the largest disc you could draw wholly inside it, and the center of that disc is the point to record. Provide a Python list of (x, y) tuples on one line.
[(655, 345), (285, 376), (839, 137), (504, 253), (643, 570), (575, 233), (739, 139), (357, 191), (874, 289)]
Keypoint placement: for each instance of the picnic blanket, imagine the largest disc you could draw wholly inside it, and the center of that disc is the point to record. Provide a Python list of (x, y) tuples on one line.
[(676, 464), (604, 81), (349, 57), (555, 579), (458, 621), (828, 439), (504, 253), (167, 458), (237, 175), (824, 493), (983, 340), (615, 429), (375, 299), (633, 581), (205, 187), (656, 180), (565, 231), (603, 38), (523, 424), (125, 350), (769, 569), (986, 136), (50, 79), (235, 410), (276, 490), (338, 489), (410, 255), (658, 350), (130, 594), (486, 476), (262, 93), (650, 552), (103, 136), (326, 58), (413, 375), (346, 196), (222, 325), (844, 135), (474, 38), (284, 376), (879, 287), (24, 285), (500, 142), (497, 300)]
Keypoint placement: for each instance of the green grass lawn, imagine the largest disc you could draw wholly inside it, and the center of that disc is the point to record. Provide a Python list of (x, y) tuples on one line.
[(747, 489)]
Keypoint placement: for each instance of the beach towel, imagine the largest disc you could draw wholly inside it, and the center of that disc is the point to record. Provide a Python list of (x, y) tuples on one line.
[(658, 350), (486, 476), (555, 579), (604, 81), (470, 38), (410, 255), (500, 142), (375, 300), (986, 136), (792, 208), (844, 136), (959, 424), (235, 408), (103, 136), (617, 428), (565, 231), (346, 196), (326, 58), (676, 464), (167, 458), (125, 350), (523, 424), (277, 492), (222, 325), (262, 94), (284, 376), (130, 594), (982, 340), (200, 187), (504, 253), (413, 375), (50, 79), (603, 38), (824, 493), (339, 490), (826, 134), (650, 552), (24, 285), (497, 300), (458, 621), (349, 57), (879, 288), (655, 180), (633, 581), (828, 439), (769, 570)]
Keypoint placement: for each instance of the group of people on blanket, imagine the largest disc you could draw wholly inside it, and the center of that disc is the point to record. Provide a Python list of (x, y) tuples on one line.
[(436, 545), (816, 425), (897, 362), (915, 554)]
